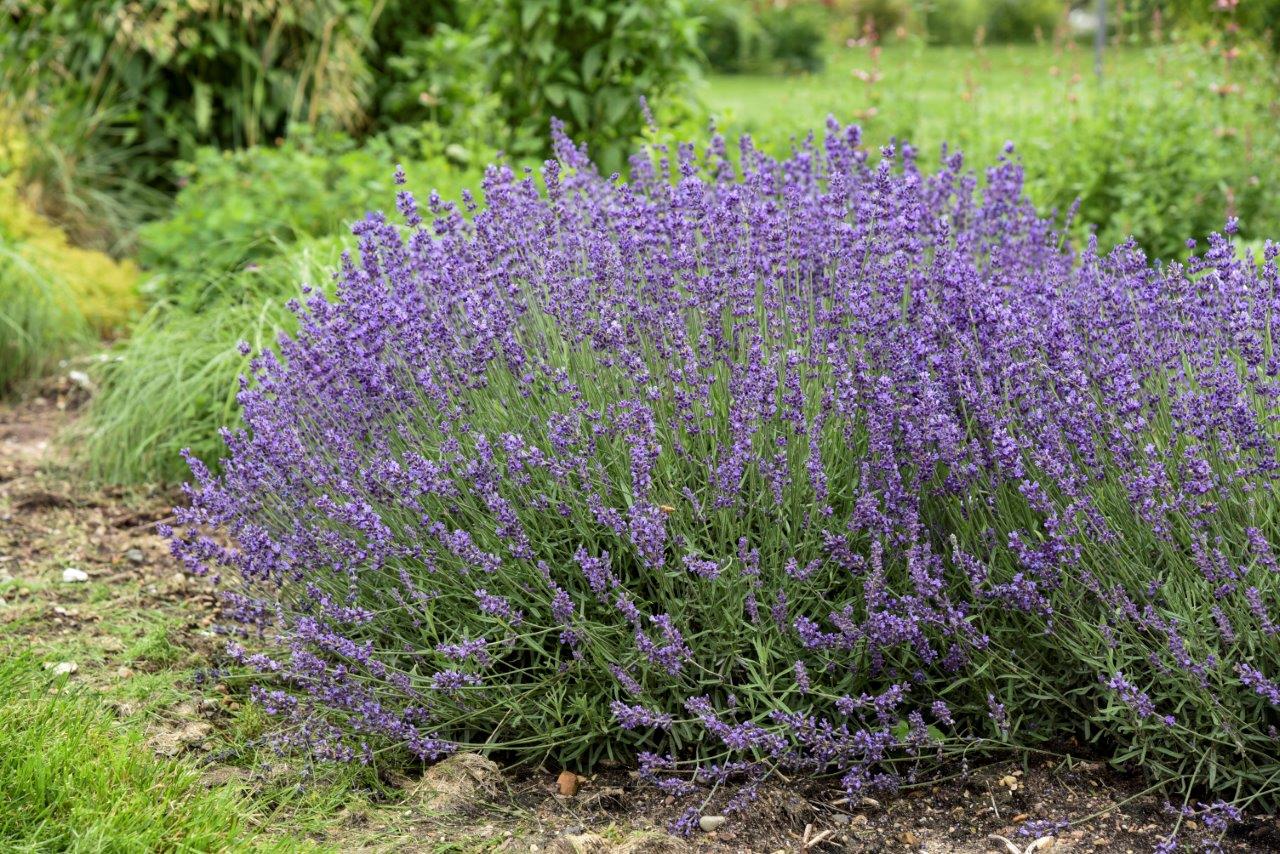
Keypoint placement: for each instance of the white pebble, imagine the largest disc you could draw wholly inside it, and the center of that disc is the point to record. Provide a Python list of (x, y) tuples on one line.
[(711, 823), (71, 575)]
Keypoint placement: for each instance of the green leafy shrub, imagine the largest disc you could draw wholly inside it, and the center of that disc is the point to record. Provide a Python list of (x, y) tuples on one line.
[(1022, 20), (111, 92), (951, 22), (882, 17), (959, 21), (238, 208), (1161, 163), (730, 37), (441, 81), (795, 35), (587, 62), (740, 37), (433, 74)]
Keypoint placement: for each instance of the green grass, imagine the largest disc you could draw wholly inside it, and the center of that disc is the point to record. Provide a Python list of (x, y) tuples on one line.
[(170, 387), (73, 779), (78, 771), (976, 99)]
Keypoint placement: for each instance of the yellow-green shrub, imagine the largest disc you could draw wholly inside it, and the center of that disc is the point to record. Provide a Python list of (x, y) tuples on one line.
[(54, 297), (103, 289)]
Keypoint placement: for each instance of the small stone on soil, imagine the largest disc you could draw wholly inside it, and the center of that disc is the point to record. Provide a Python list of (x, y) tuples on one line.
[(711, 823), (71, 575), (135, 556), (61, 668), (567, 783)]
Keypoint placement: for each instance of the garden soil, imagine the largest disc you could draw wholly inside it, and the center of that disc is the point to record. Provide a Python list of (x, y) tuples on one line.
[(139, 632)]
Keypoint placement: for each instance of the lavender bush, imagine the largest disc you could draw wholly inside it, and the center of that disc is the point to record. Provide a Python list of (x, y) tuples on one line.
[(820, 465)]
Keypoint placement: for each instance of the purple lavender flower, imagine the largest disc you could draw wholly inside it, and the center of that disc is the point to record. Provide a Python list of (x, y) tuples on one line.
[(998, 714), (637, 717), (1253, 678), (1132, 697), (736, 423)]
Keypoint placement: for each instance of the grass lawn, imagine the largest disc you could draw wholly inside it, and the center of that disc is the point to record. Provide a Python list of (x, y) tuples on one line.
[(973, 98), (73, 779)]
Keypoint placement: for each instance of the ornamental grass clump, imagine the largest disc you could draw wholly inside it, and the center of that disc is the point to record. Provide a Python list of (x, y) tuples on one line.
[(821, 465)]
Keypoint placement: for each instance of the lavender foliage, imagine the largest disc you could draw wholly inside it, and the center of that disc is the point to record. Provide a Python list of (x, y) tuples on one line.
[(826, 463)]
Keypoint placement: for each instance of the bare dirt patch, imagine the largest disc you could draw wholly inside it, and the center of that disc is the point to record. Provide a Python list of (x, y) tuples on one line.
[(137, 630)]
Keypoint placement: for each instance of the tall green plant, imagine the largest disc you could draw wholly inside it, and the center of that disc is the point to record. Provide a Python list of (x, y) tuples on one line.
[(111, 92), (588, 63)]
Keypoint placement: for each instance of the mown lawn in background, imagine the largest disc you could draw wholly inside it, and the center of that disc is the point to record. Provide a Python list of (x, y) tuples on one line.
[(973, 98)]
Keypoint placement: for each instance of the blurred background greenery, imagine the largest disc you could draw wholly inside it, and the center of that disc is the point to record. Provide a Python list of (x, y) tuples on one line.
[(172, 171)]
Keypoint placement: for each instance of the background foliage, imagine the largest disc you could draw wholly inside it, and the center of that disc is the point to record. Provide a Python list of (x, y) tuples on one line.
[(138, 83), (54, 297), (111, 94), (587, 63)]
